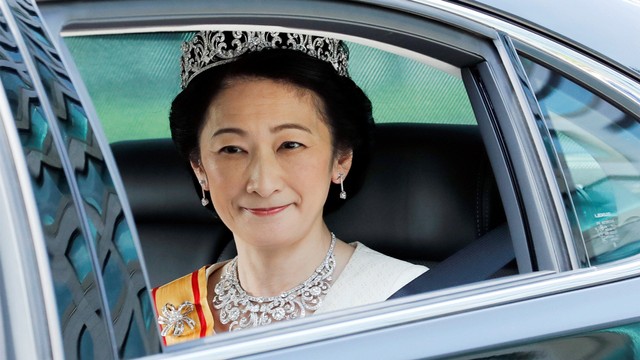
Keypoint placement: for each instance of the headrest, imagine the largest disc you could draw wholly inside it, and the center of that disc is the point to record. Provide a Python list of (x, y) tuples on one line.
[(429, 191), (158, 182)]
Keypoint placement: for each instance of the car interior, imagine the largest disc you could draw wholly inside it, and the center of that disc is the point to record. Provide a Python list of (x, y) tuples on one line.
[(430, 192)]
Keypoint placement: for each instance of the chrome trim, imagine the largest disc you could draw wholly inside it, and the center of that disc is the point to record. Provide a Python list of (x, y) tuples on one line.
[(578, 256), (19, 262), (52, 338), (519, 81)]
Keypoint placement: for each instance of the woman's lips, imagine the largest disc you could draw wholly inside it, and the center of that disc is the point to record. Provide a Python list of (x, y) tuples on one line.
[(266, 211)]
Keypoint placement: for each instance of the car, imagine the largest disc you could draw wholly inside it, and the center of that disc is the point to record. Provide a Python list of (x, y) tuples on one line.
[(507, 160)]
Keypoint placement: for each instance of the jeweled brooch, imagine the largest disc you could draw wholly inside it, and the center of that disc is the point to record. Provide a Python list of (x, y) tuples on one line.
[(173, 320)]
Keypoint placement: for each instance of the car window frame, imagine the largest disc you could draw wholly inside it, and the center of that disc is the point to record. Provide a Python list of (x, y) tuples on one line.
[(538, 279), (328, 25), (484, 47), (30, 295)]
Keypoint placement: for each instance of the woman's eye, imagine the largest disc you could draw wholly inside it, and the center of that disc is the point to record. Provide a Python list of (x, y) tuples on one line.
[(291, 145), (230, 150)]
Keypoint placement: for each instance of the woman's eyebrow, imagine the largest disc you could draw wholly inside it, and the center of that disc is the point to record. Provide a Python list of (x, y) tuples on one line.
[(291, 126), (229, 131)]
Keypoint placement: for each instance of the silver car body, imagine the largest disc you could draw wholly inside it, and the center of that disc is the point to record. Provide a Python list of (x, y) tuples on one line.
[(561, 310)]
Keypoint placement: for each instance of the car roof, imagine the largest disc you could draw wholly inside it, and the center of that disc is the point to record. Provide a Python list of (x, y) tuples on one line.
[(605, 29)]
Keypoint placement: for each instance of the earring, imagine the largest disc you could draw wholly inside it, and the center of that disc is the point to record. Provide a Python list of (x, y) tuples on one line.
[(204, 200), (343, 194)]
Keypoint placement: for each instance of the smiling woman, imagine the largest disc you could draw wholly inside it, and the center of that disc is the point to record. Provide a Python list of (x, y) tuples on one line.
[(273, 126)]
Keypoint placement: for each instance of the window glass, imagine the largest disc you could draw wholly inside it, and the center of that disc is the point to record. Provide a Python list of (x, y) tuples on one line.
[(78, 205), (598, 148), (74, 277), (132, 79)]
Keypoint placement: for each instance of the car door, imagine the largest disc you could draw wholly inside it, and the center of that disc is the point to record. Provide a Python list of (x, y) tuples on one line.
[(82, 282), (559, 292)]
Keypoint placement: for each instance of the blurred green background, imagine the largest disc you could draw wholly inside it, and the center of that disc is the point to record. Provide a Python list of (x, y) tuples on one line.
[(133, 78)]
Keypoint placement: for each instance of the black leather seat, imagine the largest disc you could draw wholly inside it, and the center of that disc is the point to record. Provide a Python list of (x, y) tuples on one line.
[(176, 233), (430, 192)]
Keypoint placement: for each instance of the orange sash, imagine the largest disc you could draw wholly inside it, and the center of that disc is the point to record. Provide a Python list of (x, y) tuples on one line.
[(191, 288)]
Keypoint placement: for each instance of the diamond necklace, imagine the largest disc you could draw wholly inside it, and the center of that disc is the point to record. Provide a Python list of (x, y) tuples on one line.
[(242, 310)]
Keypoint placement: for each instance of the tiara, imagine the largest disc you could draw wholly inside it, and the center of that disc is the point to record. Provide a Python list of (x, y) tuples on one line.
[(208, 49)]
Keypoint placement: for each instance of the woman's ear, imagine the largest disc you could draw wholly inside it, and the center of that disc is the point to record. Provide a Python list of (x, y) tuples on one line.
[(341, 166), (198, 169)]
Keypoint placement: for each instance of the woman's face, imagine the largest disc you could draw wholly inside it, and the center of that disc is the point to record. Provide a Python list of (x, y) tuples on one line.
[(267, 159)]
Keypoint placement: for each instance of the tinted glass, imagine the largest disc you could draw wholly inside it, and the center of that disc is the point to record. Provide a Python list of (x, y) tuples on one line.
[(74, 278), (114, 66), (598, 148), (82, 218)]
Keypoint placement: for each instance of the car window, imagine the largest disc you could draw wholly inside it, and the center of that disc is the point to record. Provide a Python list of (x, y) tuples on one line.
[(402, 90), (428, 140), (89, 243), (426, 176), (597, 147)]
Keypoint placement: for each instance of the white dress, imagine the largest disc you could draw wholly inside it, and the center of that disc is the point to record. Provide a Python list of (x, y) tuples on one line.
[(368, 277)]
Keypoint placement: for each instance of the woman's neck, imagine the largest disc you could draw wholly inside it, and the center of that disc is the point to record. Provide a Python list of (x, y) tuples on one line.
[(270, 271)]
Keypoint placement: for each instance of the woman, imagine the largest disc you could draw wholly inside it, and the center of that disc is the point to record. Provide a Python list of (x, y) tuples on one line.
[(276, 134)]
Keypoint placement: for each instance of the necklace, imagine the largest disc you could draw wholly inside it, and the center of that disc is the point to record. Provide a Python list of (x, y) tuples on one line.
[(242, 310)]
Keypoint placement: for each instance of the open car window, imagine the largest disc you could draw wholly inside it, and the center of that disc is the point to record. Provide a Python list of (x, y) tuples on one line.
[(430, 155), (432, 189), (403, 90), (442, 175)]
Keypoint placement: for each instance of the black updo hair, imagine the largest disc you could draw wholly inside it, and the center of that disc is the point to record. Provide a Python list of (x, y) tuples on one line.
[(345, 108)]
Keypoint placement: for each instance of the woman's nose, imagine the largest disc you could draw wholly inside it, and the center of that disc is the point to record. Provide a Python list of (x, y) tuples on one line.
[(265, 174)]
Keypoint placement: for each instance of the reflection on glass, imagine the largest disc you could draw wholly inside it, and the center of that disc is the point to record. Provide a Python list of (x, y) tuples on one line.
[(124, 242), (598, 147), (85, 348), (113, 282), (73, 248), (78, 255), (133, 346), (77, 299)]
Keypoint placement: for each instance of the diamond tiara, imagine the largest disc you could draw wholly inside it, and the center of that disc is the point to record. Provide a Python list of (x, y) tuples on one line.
[(208, 49)]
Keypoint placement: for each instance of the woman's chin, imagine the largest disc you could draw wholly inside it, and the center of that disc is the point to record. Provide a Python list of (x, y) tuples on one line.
[(266, 234)]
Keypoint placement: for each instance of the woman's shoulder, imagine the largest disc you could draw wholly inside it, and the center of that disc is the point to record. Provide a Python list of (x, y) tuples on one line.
[(368, 263), (188, 279), (187, 297), (369, 277)]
